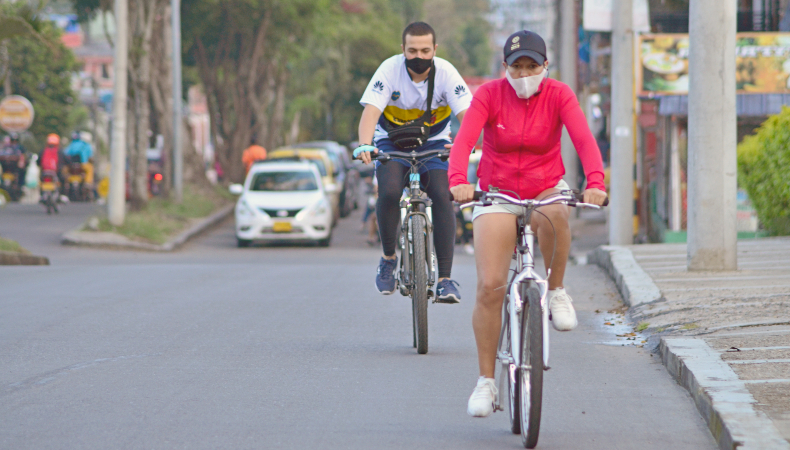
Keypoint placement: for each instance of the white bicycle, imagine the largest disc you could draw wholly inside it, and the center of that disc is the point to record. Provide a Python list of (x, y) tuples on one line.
[(523, 352)]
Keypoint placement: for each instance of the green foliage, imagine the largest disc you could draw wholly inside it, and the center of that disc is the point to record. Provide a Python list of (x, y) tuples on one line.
[(41, 69), (763, 168), (7, 245)]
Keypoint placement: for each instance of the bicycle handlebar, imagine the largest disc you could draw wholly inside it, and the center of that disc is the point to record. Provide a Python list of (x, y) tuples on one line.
[(443, 154), (569, 198)]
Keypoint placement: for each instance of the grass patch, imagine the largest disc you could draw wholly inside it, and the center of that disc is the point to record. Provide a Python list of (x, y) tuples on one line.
[(642, 327), (661, 329), (689, 326), (7, 245), (162, 218)]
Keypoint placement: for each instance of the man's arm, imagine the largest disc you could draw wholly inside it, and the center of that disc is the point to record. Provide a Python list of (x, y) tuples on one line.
[(367, 128)]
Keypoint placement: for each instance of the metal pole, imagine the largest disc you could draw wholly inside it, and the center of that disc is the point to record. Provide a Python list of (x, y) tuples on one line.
[(712, 162), (116, 204), (178, 155), (621, 217), (567, 57)]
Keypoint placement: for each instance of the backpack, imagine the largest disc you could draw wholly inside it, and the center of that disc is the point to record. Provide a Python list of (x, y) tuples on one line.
[(49, 159)]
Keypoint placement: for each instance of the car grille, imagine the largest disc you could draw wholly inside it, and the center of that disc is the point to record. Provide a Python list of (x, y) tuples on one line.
[(274, 213)]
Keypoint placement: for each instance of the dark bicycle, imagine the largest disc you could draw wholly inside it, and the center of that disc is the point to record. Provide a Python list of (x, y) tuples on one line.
[(417, 275)]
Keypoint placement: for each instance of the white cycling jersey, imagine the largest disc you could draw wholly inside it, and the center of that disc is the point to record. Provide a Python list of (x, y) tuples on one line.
[(400, 99)]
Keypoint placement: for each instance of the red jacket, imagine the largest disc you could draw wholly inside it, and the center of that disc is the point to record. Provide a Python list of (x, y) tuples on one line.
[(521, 139)]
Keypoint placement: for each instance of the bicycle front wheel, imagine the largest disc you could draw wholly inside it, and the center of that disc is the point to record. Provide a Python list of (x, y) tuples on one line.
[(419, 293), (531, 380)]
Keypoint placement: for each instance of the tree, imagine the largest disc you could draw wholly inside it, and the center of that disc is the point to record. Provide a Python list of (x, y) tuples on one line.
[(39, 68)]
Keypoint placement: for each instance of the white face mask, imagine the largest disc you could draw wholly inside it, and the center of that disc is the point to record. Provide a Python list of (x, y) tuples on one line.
[(526, 86)]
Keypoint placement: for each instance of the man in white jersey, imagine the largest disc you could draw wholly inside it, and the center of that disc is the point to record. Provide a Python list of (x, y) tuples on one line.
[(397, 94)]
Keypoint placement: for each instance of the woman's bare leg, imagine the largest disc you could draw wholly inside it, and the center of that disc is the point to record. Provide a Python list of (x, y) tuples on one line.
[(495, 239), (558, 214)]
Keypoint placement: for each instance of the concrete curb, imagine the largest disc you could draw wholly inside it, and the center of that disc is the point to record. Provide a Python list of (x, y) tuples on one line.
[(112, 240), (22, 259), (634, 284), (721, 398)]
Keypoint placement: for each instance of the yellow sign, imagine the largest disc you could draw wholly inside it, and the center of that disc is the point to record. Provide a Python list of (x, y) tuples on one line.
[(762, 63), (103, 188), (16, 114)]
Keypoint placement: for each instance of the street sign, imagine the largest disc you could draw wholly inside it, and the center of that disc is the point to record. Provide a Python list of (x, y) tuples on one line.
[(16, 114)]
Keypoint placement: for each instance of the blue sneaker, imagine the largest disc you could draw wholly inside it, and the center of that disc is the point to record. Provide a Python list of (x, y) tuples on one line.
[(385, 276), (447, 292)]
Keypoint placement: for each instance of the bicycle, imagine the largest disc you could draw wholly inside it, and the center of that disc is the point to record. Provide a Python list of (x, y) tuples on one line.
[(417, 275), (523, 350)]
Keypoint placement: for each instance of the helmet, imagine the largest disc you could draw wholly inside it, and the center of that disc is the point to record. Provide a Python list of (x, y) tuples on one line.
[(53, 139), (75, 135)]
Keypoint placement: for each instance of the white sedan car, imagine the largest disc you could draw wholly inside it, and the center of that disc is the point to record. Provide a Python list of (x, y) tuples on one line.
[(282, 200)]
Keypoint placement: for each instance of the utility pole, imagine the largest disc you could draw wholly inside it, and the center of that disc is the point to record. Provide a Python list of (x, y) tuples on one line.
[(621, 186), (116, 204), (178, 151), (567, 57), (712, 139)]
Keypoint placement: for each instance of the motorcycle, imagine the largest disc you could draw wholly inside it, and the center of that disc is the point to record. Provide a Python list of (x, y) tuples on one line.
[(78, 189), (11, 166), (49, 191)]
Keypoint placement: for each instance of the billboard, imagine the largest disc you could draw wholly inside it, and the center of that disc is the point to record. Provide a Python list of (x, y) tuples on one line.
[(762, 63)]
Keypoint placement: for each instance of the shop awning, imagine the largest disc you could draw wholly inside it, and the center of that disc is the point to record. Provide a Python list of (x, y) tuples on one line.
[(746, 104)]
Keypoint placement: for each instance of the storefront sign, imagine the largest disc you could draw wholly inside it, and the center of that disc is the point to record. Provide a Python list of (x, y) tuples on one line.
[(16, 114), (762, 63)]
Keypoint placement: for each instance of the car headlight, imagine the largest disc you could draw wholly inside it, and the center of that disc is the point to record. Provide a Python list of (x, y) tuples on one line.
[(245, 209), (319, 208)]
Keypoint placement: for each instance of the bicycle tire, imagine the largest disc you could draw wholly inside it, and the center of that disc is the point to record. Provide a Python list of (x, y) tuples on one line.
[(419, 293), (413, 326), (531, 381)]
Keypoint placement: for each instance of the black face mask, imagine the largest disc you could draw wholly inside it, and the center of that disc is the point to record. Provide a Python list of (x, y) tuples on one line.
[(419, 65)]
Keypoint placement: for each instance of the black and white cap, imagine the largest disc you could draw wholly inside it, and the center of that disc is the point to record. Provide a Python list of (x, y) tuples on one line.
[(525, 43)]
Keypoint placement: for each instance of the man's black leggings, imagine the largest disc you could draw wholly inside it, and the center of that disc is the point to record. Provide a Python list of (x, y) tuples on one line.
[(392, 178)]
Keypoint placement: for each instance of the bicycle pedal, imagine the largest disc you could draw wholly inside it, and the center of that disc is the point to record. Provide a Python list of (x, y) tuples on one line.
[(545, 368)]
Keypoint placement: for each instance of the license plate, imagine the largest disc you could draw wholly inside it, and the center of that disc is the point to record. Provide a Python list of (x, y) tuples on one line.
[(8, 176), (48, 186), (75, 179), (282, 227)]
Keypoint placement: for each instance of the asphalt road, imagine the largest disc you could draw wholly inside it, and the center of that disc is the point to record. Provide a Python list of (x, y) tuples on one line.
[(288, 348)]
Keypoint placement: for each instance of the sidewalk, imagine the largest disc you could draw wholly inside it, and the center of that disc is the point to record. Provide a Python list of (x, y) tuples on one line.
[(725, 336)]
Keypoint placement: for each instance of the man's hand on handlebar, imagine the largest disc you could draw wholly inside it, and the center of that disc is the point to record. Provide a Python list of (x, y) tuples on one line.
[(594, 196), (363, 153), (463, 193)]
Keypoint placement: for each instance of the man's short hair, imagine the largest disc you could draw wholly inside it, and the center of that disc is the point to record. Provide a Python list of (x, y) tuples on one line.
[(418, 29)]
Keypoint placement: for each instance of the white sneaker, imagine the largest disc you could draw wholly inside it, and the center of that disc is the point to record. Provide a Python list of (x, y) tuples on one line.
[(563, 316), (481, 403)]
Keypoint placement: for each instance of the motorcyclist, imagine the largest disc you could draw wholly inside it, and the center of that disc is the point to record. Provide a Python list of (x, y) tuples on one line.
[(51, 158), (81, 151), (13, 159)]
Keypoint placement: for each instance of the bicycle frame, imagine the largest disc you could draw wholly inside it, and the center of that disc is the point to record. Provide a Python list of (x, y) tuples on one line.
[(525, 271), (416, 205)]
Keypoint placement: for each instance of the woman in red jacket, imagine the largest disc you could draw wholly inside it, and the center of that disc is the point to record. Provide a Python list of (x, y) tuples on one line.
[(522, 117)]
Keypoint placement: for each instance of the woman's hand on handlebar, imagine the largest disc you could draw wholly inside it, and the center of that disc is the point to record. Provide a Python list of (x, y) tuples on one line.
[(363, 153), (594, 196), (463, 193)]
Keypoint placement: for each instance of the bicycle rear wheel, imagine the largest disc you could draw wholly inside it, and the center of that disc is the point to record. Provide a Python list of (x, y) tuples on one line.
[(531, 381), (419, 293)]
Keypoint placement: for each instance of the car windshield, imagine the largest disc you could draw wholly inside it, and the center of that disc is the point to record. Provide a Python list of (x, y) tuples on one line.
[(319, 163), (284, 181)]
